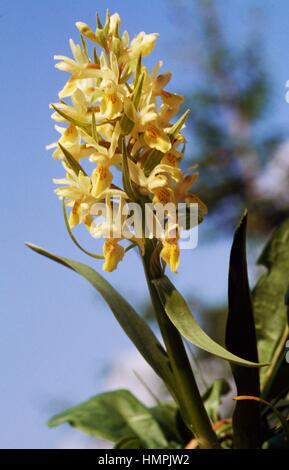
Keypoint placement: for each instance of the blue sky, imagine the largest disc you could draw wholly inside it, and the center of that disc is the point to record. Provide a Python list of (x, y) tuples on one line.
[(57, 336)]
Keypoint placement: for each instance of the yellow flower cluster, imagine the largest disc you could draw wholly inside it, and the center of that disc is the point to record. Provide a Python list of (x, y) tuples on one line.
[(118, 115)]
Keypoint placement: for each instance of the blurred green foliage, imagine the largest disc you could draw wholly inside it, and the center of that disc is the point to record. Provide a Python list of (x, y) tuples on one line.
[(229, 99)]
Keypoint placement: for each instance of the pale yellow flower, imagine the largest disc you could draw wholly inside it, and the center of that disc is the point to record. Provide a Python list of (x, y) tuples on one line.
[(112, 231), (170, 106), (172, 157), (113, 254), (156, 138), (160, 177), (182, 192), (71, 140), (82, 192), (79, 61), (80, 112), (159, 82), (84, 29), (114, 24), (142, 44), (110, 93), (171, 251), (145, 123), (74, 187), (79, 67), (104, 157)]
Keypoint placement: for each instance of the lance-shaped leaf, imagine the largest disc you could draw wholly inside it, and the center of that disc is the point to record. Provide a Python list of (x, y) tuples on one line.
[(153, 159), (126, 179), (126, 124), (68, 118), (93, 129), (98, 22), (138, 91), (125, 76), (114, 416), (241, 340), (70, 160), (277, 383), (107, 22), (166, 414), (95, 56), (138, 69), (268, 301), (128, 443), (175, 129), (181, 316), (213, 397), (84, 46), (133, 325), (73, 238)]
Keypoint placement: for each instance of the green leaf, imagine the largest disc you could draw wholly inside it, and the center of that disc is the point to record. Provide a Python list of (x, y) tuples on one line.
[(166, 415), (268, 302), (107, 22), (277, 386), (153, 159), (180, 315), (68, 118), (70, 160), (93, 129), (128, 443), (133, 325), (114, 416), (138, 69), (84, 46), (241, 340), (138, 91), (175, 129), (287, 300), (213, 397), (127, 182), (125, 76), (126, 124), (95, 56), (89, 253), (98, 22)]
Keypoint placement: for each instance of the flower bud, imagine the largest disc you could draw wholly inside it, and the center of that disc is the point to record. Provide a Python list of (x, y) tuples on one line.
[(85, 30)]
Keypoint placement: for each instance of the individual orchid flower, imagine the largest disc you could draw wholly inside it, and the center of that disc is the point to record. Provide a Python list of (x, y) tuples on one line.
[(104, 157), (170, 106), (173, 157), (82, 192), (158, 178), (79, 61), (182, 192), (77, 190), (110, 93), (142, 44), (146, 123), (112, 230), (79, 67), (79, 112), (170, 252), (71, 140)]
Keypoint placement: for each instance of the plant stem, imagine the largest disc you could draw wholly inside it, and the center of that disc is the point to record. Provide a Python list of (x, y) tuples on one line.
[(277, 359), (188, 395)]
